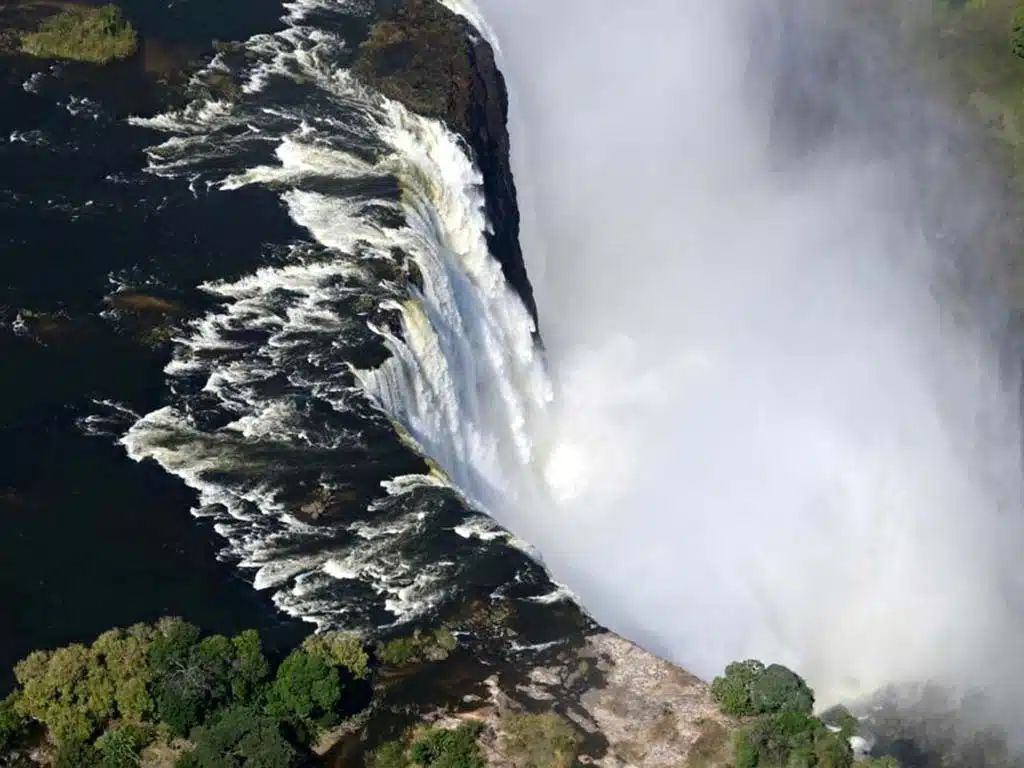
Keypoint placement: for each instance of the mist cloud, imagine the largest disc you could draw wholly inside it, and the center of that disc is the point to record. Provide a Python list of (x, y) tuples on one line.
[(782, 429)]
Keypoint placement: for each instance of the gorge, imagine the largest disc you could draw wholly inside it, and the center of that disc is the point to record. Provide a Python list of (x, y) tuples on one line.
[(745, 384)]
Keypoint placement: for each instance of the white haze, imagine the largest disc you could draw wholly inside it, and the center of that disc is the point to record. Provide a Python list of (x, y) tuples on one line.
[(773, 435)]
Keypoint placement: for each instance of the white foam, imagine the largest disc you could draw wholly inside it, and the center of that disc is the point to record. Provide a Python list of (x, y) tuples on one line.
[(465, 383), (468, 10)]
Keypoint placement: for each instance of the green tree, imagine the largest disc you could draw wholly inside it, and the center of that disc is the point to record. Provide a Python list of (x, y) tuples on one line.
[(778, 689), (195, 678), (215, 657), (444, 748), (75, 753), (172, 643), (67, 690), (306, 693), (13, 726), (840, 717), (832, 751), (240, 737), (732, 692), (251, 668), (120, 748), (342, 649), (125, 656)]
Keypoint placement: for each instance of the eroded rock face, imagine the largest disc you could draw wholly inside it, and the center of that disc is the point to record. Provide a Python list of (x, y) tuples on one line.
[(429, 59), (647, 711), (631, 709)]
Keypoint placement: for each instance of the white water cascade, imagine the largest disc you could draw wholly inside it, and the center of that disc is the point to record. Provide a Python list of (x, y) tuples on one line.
[(775, 433), (759, 429)]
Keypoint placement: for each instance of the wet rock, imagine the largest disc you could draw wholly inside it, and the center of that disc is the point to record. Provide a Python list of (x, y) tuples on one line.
[(151, 319), (144, 303), (426, 57), (325, 506)]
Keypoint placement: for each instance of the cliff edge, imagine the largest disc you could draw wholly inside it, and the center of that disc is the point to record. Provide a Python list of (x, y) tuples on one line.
[(431, 60), (629, 707)]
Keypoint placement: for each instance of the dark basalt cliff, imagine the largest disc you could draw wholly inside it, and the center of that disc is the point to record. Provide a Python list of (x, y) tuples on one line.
[(431, 60)]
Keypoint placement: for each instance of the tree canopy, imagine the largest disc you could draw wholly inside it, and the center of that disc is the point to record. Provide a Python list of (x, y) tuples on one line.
[(779, 728), (105, 703)]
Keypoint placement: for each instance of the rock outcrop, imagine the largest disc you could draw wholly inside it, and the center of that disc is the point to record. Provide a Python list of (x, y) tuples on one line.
[(431, 60), (629, 707), (626, 707)]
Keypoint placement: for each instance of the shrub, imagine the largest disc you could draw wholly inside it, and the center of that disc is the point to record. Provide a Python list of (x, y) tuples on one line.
[(83, 33), (419, 647), (541, 741), (746, 752), (391, 754), (76, 753), (343, 649), (251, 668), (732, 692), (13, 726), (305, 693), (120, 747), (398, 652), (443, 748)]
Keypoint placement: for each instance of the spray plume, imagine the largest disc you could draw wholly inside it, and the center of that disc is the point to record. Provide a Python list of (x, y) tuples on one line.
[(781, 426)]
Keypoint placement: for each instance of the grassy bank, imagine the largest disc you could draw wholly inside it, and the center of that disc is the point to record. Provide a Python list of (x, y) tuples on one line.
[(83, 33)]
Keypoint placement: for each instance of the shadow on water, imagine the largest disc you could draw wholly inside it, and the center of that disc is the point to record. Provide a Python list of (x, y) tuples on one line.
[(90, 539)]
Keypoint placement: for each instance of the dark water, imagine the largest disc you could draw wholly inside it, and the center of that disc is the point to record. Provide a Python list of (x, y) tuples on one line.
[(91, 539), (88, 538)]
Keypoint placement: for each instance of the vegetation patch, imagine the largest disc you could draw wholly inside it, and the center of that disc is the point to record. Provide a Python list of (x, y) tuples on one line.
[(541, 741), (83, 33), (779, 729), (149, 687), (433, 748), (13, 725), (417, 648)]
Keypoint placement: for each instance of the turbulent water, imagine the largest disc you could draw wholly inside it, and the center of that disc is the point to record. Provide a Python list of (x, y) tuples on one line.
[(764, 423), (392, 315)]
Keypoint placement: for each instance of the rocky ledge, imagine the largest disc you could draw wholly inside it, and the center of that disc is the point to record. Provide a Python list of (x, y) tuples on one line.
[(627, 707), (635, 709), (431, 60), (600, 700)]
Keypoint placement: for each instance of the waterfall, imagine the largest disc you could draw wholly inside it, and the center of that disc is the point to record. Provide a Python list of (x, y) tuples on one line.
[(766, 424), (388, 316)]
